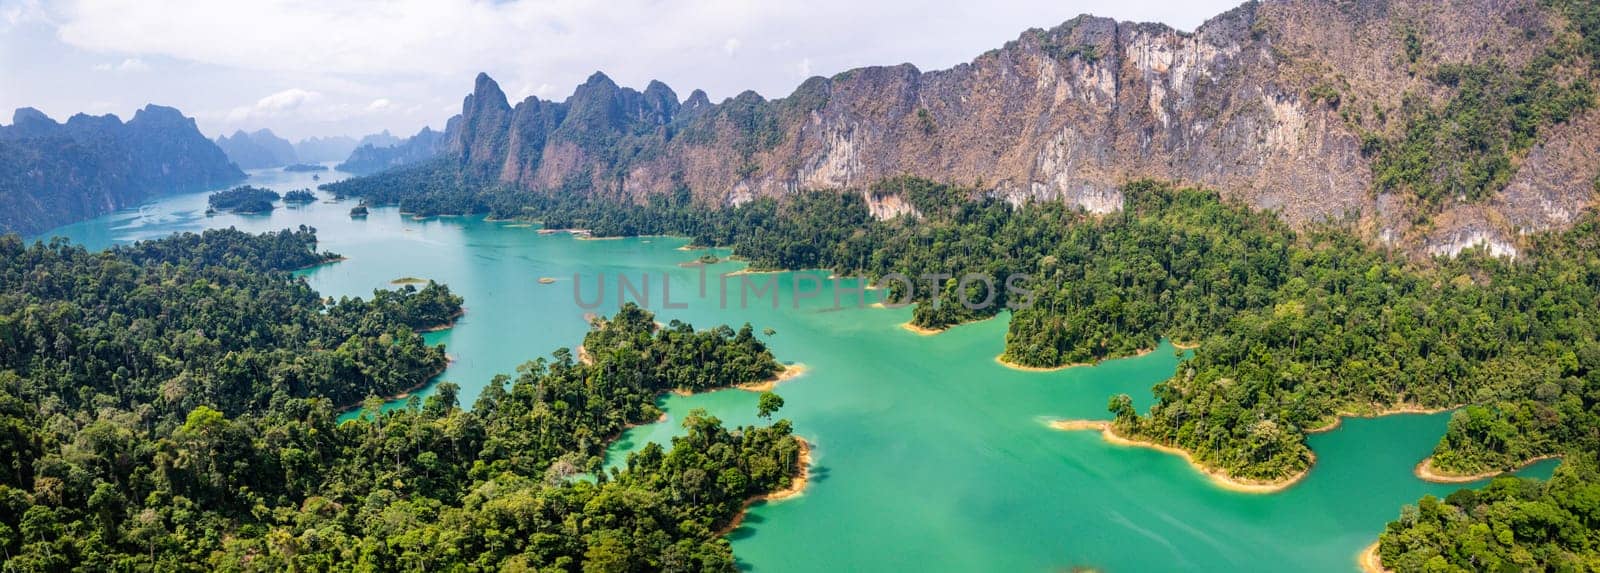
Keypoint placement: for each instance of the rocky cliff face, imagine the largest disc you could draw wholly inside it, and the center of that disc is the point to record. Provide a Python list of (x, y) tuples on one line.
[(53, 173), (1268, 103)]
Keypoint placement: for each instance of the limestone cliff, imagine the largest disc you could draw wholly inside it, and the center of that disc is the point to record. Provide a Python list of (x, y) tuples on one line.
[(1268, 103)]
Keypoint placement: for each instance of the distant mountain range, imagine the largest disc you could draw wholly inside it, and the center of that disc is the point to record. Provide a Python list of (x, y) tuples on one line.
[(258, 149), (53, 173), (262, 149), (324, 149), (381, 139), (370, 157)]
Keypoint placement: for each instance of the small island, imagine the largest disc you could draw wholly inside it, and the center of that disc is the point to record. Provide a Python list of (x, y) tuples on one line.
[(358, 212), (300, 197), (243, 199), (305, 168)]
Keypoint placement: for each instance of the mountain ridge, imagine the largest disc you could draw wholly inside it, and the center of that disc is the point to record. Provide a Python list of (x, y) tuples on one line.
[(55, 173), (1310, 108), (258, 149)]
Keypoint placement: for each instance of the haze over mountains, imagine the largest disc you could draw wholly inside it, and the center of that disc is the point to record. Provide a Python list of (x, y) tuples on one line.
[(1429, 126), (324, 149), (262, 149), (55, 173), (1433, 126), (387, 152), (257, 149)]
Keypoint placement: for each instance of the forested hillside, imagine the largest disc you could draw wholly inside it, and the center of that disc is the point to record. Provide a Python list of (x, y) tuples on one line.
[(54, 173), (1512, 524), (387, 152), (171, 405), (1294, 327)]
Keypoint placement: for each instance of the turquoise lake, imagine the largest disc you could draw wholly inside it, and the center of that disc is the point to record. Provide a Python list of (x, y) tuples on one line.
[(928, 455)]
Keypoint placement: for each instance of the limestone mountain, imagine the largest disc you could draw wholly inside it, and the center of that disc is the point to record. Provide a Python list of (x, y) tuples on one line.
[(258, 149), (383, 151), (1433, 125), (380, 139), (54, 173), (322, 149)]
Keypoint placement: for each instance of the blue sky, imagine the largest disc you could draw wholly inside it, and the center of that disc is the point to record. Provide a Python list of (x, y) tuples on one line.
[(309, 67)]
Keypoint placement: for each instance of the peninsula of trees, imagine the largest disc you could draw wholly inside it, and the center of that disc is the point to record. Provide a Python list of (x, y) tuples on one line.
[(172, 405), (1294, 328)]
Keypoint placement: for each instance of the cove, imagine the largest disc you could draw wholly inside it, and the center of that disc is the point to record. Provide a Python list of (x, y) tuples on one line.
[(927, 454)]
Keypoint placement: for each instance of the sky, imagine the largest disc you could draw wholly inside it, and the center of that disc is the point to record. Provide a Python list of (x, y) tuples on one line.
[(350, 67)]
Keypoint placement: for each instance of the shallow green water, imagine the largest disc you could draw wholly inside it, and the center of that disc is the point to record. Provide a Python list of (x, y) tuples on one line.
[(928, 455)]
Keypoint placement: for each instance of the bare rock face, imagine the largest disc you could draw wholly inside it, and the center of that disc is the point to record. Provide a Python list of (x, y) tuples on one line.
[(1070, 114), (1558, 180)]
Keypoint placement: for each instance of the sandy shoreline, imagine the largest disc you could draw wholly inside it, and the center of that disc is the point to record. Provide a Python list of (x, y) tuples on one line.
[(1001, 359), (1425, 471), (747, 271), (1379, 412), (567, 231), (788, 373), (1370, 561), (921, 331), (338, 259), (797, 486), (1218, 477), (448, 324)]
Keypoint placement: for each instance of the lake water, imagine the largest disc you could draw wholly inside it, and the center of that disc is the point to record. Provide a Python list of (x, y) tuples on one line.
[(927, 454)]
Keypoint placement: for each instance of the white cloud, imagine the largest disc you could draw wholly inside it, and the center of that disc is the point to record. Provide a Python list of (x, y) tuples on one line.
[(380, 104), (127, 66), (273, 105), (18, 12), (286, 100), (213, 55)]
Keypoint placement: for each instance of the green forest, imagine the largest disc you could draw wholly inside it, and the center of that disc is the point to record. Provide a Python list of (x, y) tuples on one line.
[(1294, 328), (172, 405), (1512, 524), (299, 196), (243, 199)]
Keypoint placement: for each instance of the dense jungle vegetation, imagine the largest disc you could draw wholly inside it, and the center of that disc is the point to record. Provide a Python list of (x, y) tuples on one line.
[(1513, 524), (1295, 327), (172, 405), (243, 199)]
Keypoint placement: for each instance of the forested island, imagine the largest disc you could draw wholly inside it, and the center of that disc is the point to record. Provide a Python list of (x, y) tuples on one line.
[(243, 199), (1294, 328), (299, 196), (187, 421)]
